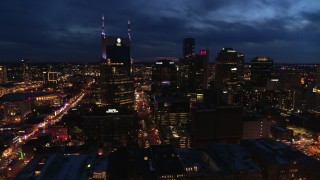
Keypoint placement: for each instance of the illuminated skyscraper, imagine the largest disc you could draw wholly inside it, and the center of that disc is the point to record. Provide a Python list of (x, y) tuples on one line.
[(199, 71), (229, 74), (26, 70), (193, 71), (261, 71), (117, 90)]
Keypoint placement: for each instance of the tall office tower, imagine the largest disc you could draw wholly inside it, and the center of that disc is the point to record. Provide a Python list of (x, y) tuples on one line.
[(116, 83), (188, 50), (193, 71), (198, 73), (229, 75), (261, 71), (183, 75), (26, 70), (3, 74), (195, 82), (188, 47), (164, 78)]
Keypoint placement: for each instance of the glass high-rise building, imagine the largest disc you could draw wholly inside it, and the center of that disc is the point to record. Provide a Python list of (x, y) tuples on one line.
[(261, 71), (229, 75), (198, 72), (193, 71), (116, 83)]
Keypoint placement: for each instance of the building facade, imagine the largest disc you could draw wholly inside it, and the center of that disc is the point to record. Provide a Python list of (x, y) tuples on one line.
[(164, 78), (229, 75), (261, 71), (172, 116)]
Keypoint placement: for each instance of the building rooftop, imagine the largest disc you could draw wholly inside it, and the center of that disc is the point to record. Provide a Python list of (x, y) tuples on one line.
[(7, 85), (163, 99), (230, 159), (209, 107), (279, 128), (165, 160), (193, 162), (105, 111), (151, 162), (62, 150), (275, 152), (17, 97), (12, 126), (252, 116), (64, 167)]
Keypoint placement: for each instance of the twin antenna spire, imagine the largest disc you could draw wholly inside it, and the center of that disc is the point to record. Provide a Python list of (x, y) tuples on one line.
[(104, 34), (129, 30), (103, 38)]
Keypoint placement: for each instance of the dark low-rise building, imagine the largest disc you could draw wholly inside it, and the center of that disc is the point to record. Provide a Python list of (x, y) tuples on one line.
[(14, 167), (280, 161), (172, 117), (219, 161), (65, 167), (156, 162), (30, 147), (164, 78), (281, 133), (232, 161), (255, 126), (111, 127), (212, 123)]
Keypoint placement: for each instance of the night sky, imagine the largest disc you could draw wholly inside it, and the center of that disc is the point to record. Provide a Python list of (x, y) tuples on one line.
[(288, 31)]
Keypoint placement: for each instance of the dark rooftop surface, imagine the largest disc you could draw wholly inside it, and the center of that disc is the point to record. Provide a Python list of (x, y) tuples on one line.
[(280, 128), (170, 99), (231, 158), (151, 162), (13, 126), (165, 160), (105, 111), (275, 152), (64, 167), (17, 97)]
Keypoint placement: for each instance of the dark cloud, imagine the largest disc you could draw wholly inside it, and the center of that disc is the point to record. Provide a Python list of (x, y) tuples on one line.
[(69, 30)]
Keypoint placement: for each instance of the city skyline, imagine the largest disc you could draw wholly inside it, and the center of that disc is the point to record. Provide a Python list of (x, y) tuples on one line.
[(70, 30)]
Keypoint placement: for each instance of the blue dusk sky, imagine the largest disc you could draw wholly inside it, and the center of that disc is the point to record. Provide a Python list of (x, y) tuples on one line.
[(288, 31)]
